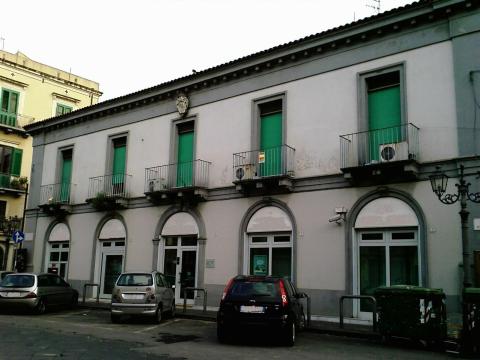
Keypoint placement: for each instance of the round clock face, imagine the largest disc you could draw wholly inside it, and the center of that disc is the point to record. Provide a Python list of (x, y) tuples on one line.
[(182, 104)]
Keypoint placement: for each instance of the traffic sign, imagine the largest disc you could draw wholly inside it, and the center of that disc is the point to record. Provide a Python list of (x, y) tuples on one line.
[(18, 237)]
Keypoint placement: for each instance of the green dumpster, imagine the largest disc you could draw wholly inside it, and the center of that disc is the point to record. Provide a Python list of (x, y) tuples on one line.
[(412, 312), (471, 304)]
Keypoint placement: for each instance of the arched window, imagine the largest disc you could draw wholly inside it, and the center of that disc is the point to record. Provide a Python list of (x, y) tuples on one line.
[(268, 245), (58, 250)]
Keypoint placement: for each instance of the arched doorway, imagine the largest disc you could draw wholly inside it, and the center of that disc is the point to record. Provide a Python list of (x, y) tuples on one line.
[(58, 250), (387, 249), (178, 256), (110, 255), (268, 243)]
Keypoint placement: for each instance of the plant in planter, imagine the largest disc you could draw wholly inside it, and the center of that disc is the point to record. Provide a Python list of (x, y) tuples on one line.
[(23, 181), (14, 183), (103, 202)]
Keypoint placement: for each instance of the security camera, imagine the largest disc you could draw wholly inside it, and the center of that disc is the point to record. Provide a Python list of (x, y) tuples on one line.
[(335, 218)]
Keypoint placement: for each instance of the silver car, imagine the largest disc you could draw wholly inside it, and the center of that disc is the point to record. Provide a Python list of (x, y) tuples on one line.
[(35, 292), (142, 293)]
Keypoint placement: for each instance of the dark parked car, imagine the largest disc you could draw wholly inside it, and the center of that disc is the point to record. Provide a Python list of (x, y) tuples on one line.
[(35, 292), (261, 303)]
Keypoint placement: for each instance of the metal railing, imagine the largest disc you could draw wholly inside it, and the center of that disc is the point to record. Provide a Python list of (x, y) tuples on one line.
[(110, 186), (9, 181), (271, 162), (55, 193), (360, 297), (191, 174), (9, 224), (389, 144), (15, 120), (194, 289)]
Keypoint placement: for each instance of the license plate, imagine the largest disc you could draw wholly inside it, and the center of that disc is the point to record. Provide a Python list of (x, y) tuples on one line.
[(252, 309), (133, 296), (13, 294)]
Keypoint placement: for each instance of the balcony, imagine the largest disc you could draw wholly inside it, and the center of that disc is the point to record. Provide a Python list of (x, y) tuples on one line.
[(109, 192), (14, 123), (182, 180), (271, 169), (55, 199), (388, 153), (12, 184)]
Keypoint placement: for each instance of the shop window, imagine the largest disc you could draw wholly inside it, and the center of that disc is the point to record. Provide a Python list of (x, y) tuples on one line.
[(270, 255), (58, 258)]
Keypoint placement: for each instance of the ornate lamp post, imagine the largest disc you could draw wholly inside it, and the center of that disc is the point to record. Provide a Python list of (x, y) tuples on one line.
[(439, 186)]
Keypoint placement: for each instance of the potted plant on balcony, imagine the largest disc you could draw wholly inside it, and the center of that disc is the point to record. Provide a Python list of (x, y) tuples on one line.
[(102, 202)]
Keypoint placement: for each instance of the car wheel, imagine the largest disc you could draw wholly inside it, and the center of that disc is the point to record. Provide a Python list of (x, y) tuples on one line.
[(290, 333), (41, 307), (115, 318), (158, 315), (221, 334)]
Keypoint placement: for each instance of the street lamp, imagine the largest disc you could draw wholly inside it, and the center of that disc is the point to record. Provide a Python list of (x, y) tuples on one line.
[(439, 186)]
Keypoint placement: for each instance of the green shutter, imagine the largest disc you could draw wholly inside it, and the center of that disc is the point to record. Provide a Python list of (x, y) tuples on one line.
[(9, 106), (16, 164), (118, 170), (185, 159), (271, 141), (66, 178), (384, 112)]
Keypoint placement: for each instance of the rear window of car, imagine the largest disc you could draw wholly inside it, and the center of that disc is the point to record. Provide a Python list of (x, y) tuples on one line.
[(252, 289), (18, 281), (135, 280)]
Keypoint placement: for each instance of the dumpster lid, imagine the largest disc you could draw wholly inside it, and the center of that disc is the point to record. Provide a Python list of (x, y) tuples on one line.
[(407, 289), (472, 290)]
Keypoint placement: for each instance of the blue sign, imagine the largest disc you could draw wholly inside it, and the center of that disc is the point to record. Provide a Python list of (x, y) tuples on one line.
[(18, 237)]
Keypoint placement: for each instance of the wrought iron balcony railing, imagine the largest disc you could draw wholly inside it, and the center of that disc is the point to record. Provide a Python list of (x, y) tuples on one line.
[(12, 182), (10, 224), (55, 194), (273, 162), (191, 174), (109, 186), (385, 145)]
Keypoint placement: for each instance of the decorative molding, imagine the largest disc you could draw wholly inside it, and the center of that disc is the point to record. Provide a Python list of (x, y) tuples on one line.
[(65, 97), (13, 82)]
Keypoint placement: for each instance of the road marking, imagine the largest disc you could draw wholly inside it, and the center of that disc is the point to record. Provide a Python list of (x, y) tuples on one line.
[(147, 329)]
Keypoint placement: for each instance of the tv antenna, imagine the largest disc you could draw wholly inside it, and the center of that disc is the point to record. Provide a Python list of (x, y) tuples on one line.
[(2, 39), (375, 5)]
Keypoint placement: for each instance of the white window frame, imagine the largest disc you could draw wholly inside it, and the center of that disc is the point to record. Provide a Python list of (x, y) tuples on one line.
[(61, 249), (270, 244)]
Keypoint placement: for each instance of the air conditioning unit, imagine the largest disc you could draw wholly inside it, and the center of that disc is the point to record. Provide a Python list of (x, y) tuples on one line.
[(393, 152), (245, 172), (157, 185)]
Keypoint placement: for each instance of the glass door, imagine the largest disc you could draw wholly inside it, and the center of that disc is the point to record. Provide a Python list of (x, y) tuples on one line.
[(385, 258), (112, 268), (180, 265)]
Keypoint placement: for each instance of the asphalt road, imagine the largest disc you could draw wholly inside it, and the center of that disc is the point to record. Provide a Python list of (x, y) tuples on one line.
[(89, 334)]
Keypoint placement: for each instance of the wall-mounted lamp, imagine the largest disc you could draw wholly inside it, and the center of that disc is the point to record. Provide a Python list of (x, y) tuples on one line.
[(340, 215)]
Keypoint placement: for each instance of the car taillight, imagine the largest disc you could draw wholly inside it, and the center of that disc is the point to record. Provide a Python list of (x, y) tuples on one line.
[(227, 287), (283, 294), (31, 295)]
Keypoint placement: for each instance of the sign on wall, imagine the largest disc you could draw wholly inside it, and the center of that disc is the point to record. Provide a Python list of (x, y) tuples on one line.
[(260, 265)]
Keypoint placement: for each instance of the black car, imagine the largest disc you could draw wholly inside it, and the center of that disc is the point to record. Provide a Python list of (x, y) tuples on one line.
[(261, 303)]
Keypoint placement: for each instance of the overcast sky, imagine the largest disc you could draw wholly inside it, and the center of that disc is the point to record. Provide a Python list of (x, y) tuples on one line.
[(130, 45)]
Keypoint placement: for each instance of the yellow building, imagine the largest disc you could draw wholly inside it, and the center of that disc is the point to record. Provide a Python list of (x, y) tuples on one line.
[(29, 92)]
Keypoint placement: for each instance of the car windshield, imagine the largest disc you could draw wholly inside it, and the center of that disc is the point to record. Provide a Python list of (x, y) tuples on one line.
[(254, 289), (18, 281), (135, 280)]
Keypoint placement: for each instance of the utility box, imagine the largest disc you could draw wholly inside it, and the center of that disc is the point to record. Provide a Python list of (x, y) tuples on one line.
[(412, 312)]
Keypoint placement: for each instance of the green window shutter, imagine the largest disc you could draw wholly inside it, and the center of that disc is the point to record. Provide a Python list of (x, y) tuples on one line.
[(271, 138), (16, 164), (9, 106), (185, 159), (66, 177), (119, 158), (384, 112), (62, 109)]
